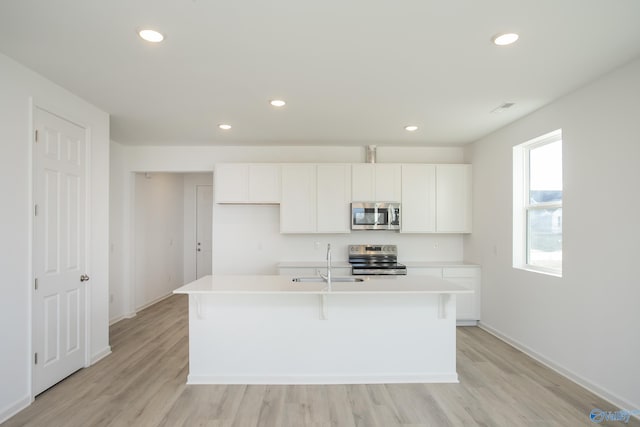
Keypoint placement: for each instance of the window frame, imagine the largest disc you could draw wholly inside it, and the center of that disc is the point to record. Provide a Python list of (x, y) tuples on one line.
[(522, 205)]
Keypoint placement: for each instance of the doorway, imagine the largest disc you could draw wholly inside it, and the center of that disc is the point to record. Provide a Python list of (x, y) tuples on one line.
[(172, 213), (204, 229)]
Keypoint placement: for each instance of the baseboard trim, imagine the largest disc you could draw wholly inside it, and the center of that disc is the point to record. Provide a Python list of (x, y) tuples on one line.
[(14, 408), (323, 379), (101, 355), (116, 320), (466, 323), (601, 392), (155, 301)]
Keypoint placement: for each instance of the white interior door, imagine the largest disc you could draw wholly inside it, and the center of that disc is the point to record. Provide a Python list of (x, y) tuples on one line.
[(204, 223), (58, 249)]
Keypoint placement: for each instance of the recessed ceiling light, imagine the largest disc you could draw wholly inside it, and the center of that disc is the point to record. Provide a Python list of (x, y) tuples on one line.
[(224, 126), (411, 128), (151, 36), (277, 103), (505, 39)]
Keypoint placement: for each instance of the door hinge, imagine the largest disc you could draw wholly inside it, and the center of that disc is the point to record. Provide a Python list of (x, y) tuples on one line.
[(35, 210), (35, 358), (36, 136), (35, 283)]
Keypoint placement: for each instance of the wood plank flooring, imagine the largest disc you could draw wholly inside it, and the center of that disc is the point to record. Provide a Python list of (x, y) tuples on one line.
[(143, 384)]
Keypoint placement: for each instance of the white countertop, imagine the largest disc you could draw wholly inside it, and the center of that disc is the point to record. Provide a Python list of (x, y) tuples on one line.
[(284, 284)]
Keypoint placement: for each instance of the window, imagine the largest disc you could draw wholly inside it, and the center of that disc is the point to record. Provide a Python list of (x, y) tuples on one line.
[(537, 204)]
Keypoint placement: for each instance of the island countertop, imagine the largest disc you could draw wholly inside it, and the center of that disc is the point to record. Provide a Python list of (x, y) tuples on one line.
[(274, 284)]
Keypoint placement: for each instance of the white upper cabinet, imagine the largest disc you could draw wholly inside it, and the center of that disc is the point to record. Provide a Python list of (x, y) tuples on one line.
[(453, 198), (333, 198), (418, 210), (376, 182), (298, 202), (436, 198), (315, 198), (264, 183), (247, 183), (231, 183)]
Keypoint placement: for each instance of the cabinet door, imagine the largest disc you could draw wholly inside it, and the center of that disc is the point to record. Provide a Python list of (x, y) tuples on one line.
[(231, 183), (298, 204), (467, 305), (418, 199), (363, 182), (333, 198), (388, 183), (453, 198), (264, 183)]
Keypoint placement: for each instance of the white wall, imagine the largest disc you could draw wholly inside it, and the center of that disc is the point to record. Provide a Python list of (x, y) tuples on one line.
[(255, 231), (159, 236), (191, 180), (117, 240), (586, 323), (21, 90), (247, 240)]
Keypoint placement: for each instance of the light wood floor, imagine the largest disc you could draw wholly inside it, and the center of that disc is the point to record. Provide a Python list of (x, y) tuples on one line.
[(143, 384)]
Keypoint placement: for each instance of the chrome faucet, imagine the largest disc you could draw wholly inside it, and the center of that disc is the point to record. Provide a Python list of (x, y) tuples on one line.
[(327, 277)]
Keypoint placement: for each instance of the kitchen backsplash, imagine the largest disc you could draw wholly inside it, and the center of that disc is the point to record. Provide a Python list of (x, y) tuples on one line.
[(247, 240)]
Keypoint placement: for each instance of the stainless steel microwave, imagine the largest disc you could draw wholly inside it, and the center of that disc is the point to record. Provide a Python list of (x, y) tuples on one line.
[(375, 216)]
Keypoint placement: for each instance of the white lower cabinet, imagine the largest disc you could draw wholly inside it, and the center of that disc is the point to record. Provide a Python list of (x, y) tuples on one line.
[(468, 305)]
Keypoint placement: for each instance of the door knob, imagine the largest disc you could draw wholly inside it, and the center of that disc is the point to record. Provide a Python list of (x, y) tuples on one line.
[(84, 278)]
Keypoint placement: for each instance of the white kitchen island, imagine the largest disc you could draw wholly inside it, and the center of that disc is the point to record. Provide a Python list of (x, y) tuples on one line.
[(271, 330)]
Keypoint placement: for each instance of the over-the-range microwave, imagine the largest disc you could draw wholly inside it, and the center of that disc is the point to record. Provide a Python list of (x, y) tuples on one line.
[(375, 216)]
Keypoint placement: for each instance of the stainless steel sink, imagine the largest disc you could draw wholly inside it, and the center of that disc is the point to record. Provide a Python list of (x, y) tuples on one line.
[(316, 279)]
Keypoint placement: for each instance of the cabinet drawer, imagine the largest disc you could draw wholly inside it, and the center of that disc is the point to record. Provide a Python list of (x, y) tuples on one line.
[(460, 272)]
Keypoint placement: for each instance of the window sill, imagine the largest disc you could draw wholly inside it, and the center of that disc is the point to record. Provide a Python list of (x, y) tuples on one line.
[(533, 269)]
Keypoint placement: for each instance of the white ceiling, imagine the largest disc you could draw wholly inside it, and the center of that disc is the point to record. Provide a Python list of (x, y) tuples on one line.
[(353, 72)]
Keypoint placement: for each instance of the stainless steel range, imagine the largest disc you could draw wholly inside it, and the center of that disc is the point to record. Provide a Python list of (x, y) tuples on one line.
[(375, 260)]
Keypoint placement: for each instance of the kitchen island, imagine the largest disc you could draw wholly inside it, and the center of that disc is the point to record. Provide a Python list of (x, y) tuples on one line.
[(272, 330)]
